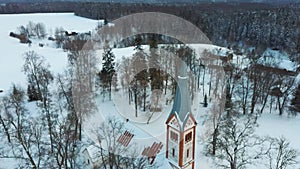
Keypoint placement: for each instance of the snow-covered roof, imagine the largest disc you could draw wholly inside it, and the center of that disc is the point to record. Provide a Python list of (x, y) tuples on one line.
[(94, 152)]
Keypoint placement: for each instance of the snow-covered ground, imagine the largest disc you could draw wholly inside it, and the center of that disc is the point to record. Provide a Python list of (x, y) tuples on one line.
[(11, 61)]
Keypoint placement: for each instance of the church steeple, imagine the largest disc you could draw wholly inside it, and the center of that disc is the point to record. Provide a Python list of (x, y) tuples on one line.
[(181, 126), (181, 106)]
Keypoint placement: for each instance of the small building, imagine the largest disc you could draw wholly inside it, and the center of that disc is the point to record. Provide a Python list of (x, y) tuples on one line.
[(92, 156)]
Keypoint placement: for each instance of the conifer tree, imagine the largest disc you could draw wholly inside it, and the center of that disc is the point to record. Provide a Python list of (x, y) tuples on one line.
[(138, 43), (155, 73), (108, 69), (205, 101)]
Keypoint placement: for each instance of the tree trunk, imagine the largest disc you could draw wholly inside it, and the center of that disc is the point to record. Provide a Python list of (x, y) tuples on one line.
[(214, 141), (166, 85), (46, 107), (135, 103), (144, 99), (28, 155), (264, 103), (203, 81), (198, 80), (38, 86), (102, 157), (50, 131), (5, 129), (279, 106), (254, 95), (110, 90), (129, 96), (135, 99), (232, 165), (80, 128), (271, 105), (209, 86)]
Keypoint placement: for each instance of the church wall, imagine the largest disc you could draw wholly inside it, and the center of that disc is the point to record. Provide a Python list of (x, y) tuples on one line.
[(172, 144), (188, 146), (190, 166)]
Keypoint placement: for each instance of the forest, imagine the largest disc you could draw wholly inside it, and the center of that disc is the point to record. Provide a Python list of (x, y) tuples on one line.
[(226, 24), (46, 122)]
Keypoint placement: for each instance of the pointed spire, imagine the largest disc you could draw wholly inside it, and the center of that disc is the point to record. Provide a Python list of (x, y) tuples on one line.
[(182, 107)]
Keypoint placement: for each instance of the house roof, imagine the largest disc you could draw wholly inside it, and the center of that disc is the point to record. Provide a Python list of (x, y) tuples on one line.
[(181, 106), (94, 152)]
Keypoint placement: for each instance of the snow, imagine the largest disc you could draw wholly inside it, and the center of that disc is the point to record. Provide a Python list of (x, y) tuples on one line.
[(128, 112), (277, 59), (155, 131), (280, 126), (11, 61), (68, 21), (8, 163)]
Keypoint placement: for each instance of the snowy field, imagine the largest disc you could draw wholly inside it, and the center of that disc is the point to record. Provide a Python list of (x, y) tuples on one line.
[(12, 51), (11, 61)]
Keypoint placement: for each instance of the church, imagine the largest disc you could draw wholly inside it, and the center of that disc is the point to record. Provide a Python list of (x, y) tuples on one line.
[(181, 126)]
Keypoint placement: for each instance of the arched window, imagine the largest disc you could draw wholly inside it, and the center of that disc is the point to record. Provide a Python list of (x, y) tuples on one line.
[(188, 137), (174, 136)]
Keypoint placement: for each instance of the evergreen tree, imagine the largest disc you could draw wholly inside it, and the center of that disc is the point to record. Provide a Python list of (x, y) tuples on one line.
[(105, 21), (108, 69), (32, 93), (138, 43), (155, 73), (205, 101)]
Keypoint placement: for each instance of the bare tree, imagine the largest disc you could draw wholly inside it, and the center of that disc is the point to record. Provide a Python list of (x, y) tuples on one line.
[(39, 75), (114, 154), (139, 81), (66, 145), (59, 35), (282, 91), (215, 118), (30, 28), (125, 76), (82, 85), (3, 121), (33, 30), (25, 133), (40, 30), (281, 154), (237, 143), (30, 144), (266, 82)]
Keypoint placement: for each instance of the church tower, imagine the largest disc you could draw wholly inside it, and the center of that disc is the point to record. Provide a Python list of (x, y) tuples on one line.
[(181, 126)]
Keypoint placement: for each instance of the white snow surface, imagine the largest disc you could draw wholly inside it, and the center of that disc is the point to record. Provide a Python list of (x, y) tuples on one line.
[(275, 58), (11, 61), (11, 58)]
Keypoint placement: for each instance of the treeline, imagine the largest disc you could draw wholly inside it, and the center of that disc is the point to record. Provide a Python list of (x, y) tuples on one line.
[(14, 8), (226, 24), (255, 25)]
